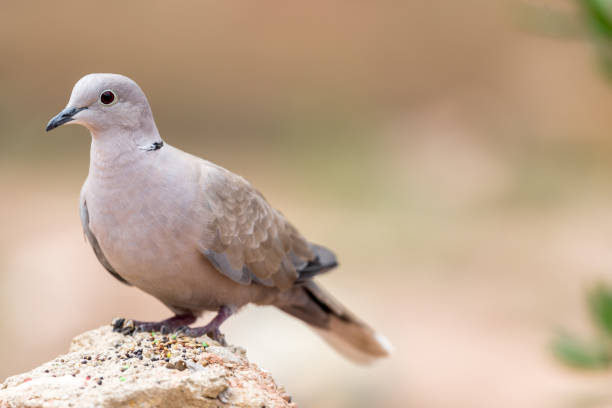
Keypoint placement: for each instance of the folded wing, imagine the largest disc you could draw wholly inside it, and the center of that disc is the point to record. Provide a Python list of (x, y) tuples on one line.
[(249, 241)]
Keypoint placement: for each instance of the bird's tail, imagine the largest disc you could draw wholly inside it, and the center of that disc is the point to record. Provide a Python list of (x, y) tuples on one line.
[(336, 324)]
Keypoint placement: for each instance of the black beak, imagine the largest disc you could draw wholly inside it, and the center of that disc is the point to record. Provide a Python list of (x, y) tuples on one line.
[(63, 117)]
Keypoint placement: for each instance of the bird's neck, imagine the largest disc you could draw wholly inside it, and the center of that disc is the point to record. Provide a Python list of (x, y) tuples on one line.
[(112, 152)]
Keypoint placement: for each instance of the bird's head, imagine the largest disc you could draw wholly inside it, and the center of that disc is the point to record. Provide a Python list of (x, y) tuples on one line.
[(106, 102)]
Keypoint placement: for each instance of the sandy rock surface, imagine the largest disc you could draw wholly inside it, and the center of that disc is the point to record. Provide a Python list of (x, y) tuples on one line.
[(107, 369)]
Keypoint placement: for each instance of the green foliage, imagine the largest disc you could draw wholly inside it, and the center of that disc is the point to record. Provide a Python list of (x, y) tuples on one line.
[(594, 354), (598, 19), (600, 306), (593, 21), (578, 354), (598, 16)]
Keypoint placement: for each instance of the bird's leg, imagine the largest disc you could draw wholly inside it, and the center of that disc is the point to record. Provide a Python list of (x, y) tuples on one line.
[(212, 328), (165, 326)]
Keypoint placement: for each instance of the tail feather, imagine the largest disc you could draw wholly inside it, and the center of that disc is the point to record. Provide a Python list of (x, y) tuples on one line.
[(335, 324)]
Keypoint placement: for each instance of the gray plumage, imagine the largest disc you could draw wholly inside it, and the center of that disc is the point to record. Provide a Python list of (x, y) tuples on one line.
[(191, 233)]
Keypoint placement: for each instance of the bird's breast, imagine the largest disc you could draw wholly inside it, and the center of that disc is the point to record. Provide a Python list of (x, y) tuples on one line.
[(147, 224)]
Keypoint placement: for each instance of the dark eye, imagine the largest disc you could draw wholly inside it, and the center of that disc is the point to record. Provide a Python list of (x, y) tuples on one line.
[(107, 97)]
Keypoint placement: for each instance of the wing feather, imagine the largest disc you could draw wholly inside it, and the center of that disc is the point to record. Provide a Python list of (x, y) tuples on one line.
[(252, 241)]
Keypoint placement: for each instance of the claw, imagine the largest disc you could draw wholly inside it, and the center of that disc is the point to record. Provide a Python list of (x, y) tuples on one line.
[(117, 324), (128, 327), (217, 336)]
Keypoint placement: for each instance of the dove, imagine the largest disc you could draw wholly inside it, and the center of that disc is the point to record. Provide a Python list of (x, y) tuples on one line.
[(194, 235)]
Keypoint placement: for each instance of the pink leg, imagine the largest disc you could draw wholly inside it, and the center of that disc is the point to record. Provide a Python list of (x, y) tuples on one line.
[(212, 328)]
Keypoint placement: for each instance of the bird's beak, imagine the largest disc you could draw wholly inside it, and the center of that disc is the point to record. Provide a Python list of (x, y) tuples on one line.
[(63, 117)]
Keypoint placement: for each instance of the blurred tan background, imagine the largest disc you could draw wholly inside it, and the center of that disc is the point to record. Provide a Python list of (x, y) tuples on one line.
[(459, 165)]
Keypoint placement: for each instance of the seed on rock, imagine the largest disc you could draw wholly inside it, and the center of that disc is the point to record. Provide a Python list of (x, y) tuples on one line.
[(170, 366), (180, 365)]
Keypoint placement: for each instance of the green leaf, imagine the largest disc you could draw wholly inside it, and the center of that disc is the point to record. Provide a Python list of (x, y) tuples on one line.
[(600, 306), (576, 353), (598, 16)]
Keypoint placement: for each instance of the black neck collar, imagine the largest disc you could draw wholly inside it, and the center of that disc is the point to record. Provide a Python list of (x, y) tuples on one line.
[(153, 146)]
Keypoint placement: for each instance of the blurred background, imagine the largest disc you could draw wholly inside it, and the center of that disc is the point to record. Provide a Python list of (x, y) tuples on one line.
[(457, 156)]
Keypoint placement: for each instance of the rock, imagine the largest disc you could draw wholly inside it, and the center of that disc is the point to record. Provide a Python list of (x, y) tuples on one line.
[(108, 369)]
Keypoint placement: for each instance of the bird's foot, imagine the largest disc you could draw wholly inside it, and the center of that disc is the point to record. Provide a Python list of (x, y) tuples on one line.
[(213, 333), (176, 324), (128, 326), (212, 328)]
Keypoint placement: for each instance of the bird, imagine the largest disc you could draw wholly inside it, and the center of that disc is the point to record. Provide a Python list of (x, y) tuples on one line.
[(194, 235)]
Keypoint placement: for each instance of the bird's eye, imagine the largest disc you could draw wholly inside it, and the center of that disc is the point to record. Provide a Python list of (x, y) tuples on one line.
[(108, 97)]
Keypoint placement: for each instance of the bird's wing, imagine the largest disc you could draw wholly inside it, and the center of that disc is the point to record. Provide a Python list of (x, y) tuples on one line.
[(94, 242), (249, 241)]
